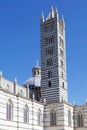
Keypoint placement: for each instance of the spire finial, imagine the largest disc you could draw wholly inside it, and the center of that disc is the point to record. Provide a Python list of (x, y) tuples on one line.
[(0, 73), (52, 7), (73, 102), (86, 100), (15, 80), (42, 14), (42, 17), (56, 9), (62, 17), (37, 62)]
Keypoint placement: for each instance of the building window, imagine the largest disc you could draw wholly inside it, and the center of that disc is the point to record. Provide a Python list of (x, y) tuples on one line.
[(39, 117), (49, 39), (79, 119), (69, 118), (49, 51), (49, 62), (26, 114), (53, 117), (46, 40), (63, 84), (9, 110), (49, 27), (49, 83), (49, 74), (37, 72)]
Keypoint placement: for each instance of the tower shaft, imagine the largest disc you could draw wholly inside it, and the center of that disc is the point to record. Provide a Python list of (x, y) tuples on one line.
[(53, 59)]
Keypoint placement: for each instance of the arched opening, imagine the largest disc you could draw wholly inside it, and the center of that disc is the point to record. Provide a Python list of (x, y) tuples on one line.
[(53, 117), (79, 119), (39, 117), (9, 110), (69, 118), (26, 114)]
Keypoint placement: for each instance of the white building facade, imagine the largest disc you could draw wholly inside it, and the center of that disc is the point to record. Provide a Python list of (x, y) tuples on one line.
[(20, 111)]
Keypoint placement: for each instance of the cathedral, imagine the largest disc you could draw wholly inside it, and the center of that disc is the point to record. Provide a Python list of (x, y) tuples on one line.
[(41, 103)]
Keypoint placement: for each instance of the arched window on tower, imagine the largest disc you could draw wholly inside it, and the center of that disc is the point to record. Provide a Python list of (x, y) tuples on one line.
[(63, 84), (62, 75), (39, 117), (49, 62), (9, 110), (79, 119), (69, 118), (49, 84), (37, 72), (53, 117), (26, 114), (49, 74)]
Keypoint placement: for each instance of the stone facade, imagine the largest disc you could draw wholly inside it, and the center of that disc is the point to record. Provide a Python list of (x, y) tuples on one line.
[(66, 116)]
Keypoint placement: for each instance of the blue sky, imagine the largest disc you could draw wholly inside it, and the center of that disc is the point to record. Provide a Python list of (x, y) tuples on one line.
[(20, 40)]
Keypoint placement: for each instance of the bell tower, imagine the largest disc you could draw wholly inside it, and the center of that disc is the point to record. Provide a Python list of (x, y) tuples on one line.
[(53, 58)]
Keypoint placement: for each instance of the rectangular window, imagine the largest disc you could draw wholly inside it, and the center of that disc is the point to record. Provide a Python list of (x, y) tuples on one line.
[(49, 83), (49, 51), (49, 39), (50, 62)]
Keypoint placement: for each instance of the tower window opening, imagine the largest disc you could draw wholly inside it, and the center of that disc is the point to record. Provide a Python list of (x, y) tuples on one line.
[(62, 75), (45, 29), (63, 84), (49, 74), (49, 83), (46, 40), (49, 51), (38, 72), (49, 39), (49, 62)]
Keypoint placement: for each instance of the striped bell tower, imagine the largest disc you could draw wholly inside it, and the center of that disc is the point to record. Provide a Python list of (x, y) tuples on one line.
[(53, 58)]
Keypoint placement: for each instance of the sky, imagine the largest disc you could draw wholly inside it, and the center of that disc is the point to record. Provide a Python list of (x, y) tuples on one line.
[(20, 40)]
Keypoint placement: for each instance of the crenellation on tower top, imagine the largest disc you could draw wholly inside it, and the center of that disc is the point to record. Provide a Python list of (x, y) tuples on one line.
[(42, 18), (52, 14)]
